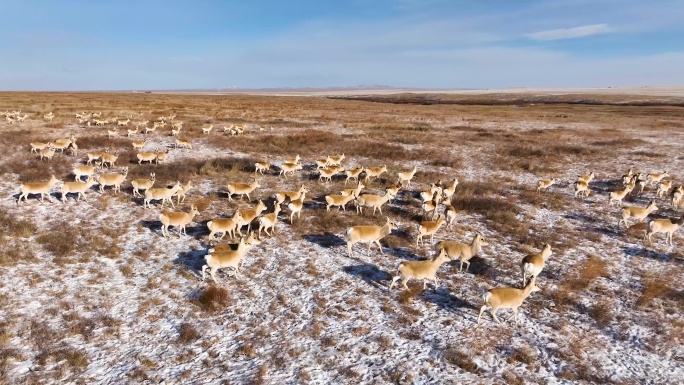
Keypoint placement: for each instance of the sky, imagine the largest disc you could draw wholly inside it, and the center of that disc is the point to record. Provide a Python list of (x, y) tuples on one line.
[(203, 44)]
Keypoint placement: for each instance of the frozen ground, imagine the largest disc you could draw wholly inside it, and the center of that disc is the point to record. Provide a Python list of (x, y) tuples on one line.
[(304, 312)]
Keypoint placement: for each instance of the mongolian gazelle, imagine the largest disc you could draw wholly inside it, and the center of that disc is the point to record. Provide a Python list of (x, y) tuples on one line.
[(619, 195), (295, 207), (533, 264), (142, 184), (507, 298), (241, 189), (78, 187), (179, 219), (232, 258), (429, 228), (37, 188), (260, 167), (374, 172), (291, 195), (339, 201), (668, 226), (249, 215), (369, 234), (289, 168), (224, 226), (462, 251), (353, 174), (269, 221), (371, 200), (544, 184), (114, 180), (406, 176), (638, 213), (164, 194), (654, 178), (425, 270)]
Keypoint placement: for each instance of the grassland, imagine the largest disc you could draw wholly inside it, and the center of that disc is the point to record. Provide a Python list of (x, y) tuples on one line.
[(91, 292)]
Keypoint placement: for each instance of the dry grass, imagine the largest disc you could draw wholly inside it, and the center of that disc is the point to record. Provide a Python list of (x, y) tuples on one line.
[(214, 298)]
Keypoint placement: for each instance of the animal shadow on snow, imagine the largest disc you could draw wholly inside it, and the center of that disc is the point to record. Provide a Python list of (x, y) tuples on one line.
[(643, 252), (327, 240), (192, 260), (369, 273), (444, 299)]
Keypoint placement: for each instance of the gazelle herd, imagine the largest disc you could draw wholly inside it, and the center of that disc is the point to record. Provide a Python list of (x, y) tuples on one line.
[(434, 201)]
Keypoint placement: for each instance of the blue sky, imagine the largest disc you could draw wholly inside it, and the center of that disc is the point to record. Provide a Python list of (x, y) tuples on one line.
[(151, 44)]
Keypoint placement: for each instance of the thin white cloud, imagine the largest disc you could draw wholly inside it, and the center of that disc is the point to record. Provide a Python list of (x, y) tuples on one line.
[(571, 33)]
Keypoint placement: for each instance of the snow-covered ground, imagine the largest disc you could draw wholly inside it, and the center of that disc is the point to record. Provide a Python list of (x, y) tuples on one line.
[(112, 309)]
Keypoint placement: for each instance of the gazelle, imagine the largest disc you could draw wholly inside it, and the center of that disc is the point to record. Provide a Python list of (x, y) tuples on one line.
[(132, 132), (87, 171), (224, 226), (353, 174), (149, 129), (175, 131), (232, 258), (261, 167), (21, 119), (269, 221), (179, 219), (321, 163), (353, 191), (291, 195), (183, 143), (295, 207), (544, 184), (462, 251), (450, 215), (431, 205), (122, 123), (241, 189), (142, 184), (109, 159), (582, 189), (677, 197), (654, 178), (93, 156), (114, 180), (663, 188), (369, 234), (289, 168), (507, 298), (112, 133), (425, 270), (374, 172), (429, 228), (335, 160), (37, 146), (338, 200), (180, 195), (667, 226), (628, 177), (36, 188), (406, 176), (638, 213), (372, 200), (618, 196), (47, 153), (207, 130), (78, 187), (533, 264), (294, 160), (327, 173), (586, 178), (138, 144), (146, 157), (249, 215), (639, 183), (164, 194), (428, 195), (162, 156), (49, 116), (448, 191)]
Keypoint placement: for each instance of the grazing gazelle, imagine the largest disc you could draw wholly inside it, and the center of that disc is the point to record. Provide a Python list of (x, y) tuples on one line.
[(425, 270)]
